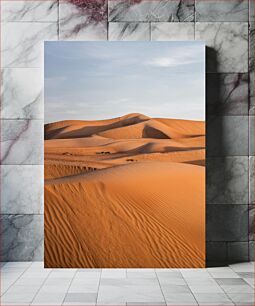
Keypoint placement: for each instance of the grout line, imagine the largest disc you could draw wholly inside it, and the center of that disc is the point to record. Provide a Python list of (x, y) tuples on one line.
[(155, 271), (189, 287), (98, 286), (222, 288), (70, 285), (15, 280), (40, 286)]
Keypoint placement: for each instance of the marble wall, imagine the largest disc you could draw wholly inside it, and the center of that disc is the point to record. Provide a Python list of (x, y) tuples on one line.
[(228, 29)]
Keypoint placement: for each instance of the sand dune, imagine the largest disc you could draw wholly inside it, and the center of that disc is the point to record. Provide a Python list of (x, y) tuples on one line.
[(125, 192)]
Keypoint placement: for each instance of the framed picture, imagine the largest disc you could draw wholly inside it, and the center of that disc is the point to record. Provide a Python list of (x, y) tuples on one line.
[(125, 154)]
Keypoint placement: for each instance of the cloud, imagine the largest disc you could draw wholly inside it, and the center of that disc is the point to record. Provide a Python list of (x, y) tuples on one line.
[(174, 61)]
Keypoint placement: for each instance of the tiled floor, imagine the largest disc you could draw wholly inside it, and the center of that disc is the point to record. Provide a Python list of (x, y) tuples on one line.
[(27, 283)]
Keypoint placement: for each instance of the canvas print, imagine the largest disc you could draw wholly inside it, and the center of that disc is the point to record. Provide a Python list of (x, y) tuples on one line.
[(124, 154)]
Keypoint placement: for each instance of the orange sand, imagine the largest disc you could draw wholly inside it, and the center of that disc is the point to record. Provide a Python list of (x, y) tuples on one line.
[(127, 192)]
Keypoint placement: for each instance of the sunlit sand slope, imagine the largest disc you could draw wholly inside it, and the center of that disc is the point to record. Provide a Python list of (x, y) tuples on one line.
[(125, 192)]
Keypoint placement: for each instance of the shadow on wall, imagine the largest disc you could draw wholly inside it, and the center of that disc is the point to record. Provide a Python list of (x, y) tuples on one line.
[(219, 218), (211, 59)]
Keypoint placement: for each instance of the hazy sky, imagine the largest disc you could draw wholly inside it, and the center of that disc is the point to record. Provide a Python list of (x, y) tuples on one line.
[(99, 80)]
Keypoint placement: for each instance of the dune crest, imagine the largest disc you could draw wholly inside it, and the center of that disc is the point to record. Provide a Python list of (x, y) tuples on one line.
[(125, 192)]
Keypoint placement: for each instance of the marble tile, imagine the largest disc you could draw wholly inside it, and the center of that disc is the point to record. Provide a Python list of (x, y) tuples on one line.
[(251, 93), (216, 252), (227, 136), (251, 250), (170, 289), (81, 297), (251, 10), (238, 251), (172, 31), (81, 20), (251, 222), (18, 296), (180, 299), (227, 94), (22, 189), (223, 272), (23, 10), (251, 68), (129, 31), (227, 223), (114, 273), (22, 142), (243, 267), (23, 43), (44, 298), (151, 10), (251, 135), (141, 273), (213, 299), (234, 10), (84, 285), (251, 180), (22, 237), (22, 93), (242, 299), (226, 43), (227, 180), (251, 47)]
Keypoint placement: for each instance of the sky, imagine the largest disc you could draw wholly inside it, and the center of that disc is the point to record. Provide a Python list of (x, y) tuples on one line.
[(101, 80)]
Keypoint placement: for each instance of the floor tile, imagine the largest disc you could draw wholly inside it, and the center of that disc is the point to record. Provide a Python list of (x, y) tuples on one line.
[(84, 285), (249, 281), (237, 289), (180, 299), (243, 267), (174, 289), (81, 298), (114, 273), (246, 274), (213, 299), (44, 298), (195, 273), (242, 299), (205, 289), (230, 281), (88, 273), (141, 273)]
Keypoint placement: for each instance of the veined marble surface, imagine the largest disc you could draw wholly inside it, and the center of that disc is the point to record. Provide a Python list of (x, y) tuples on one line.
[(228, 45), (129, 31), (23, 43), (251, 221), (227, 223), (224, 28), (77, 23), (23, 10), (251, 68), (251, 10), (227, 136), (234, 10), (227, 180), (251, 180), (22, 237), (227, 93), (251, 135), (172, 31), (22, 93), (151, 10), (22, 189), (22, 142)]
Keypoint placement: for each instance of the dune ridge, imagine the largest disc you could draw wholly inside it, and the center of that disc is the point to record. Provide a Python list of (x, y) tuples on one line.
[(125, 192)]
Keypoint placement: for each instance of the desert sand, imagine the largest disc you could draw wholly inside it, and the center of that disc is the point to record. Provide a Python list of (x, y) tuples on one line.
[(127, 192)]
